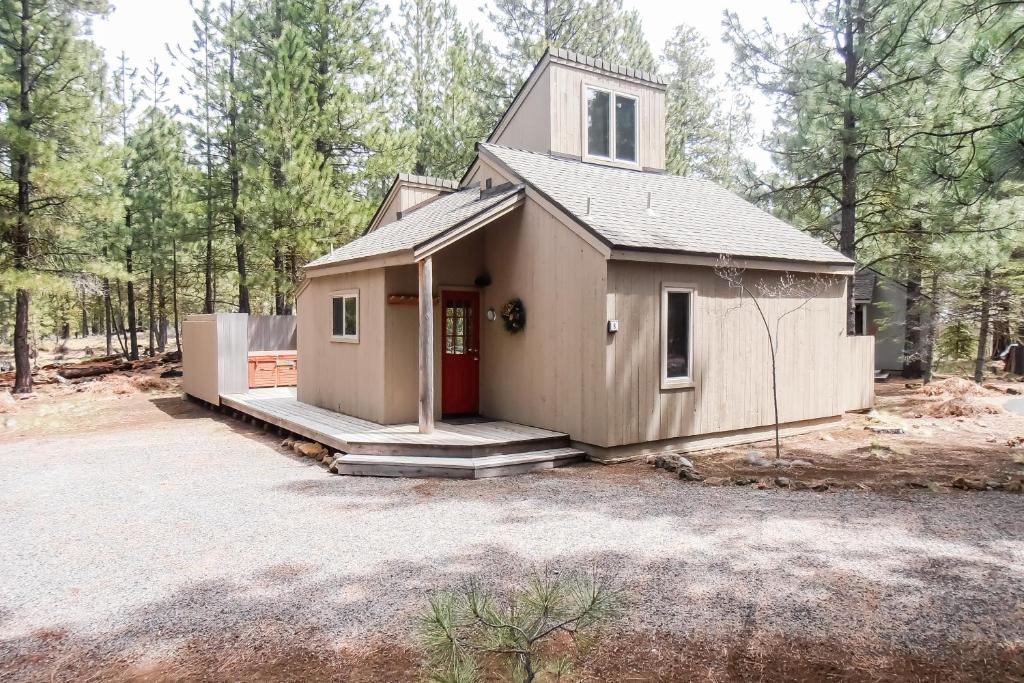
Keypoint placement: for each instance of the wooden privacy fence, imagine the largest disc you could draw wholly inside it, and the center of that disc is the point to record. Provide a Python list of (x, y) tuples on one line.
[(216, 349), (855, 367)]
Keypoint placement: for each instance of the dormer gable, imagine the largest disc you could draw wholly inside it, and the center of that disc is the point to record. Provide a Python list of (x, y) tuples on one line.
[(408, 191), (588, 109)]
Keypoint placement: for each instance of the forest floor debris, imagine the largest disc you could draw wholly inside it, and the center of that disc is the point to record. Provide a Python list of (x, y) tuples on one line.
[(952, 433), (82, 392)]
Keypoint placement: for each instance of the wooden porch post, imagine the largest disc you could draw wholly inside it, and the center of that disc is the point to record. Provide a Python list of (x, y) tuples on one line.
[(426, 348)]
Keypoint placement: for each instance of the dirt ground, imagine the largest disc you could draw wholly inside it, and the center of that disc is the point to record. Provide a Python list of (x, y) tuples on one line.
[(950, 434), (59, 405), (785, 568)]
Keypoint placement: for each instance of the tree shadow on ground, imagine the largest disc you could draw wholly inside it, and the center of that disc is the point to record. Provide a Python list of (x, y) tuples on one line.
[(307, 622)]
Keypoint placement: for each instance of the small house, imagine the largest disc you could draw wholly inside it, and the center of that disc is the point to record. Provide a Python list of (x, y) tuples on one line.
[(567, 283)]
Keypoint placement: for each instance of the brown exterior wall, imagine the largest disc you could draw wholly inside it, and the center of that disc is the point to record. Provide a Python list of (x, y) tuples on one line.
[(565, 371), (551, 374), (551, 116), (732, 379), (567, 114), (530, 127), (342, 376)]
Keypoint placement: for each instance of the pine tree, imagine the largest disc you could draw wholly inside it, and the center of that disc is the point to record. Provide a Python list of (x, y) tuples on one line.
[(704, 133), (834, 83), (596, 28), (202, 64), (48, 82), (314, 72), (451, 95)]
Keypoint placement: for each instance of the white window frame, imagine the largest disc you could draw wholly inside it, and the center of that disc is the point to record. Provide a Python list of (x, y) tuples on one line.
[(345, 294), (676, 382), (612, 159), (864, 320)]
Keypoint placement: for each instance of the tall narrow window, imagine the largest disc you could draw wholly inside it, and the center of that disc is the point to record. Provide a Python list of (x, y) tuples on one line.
[(676, 336), (599, 112), (625, 128), (345, 316)]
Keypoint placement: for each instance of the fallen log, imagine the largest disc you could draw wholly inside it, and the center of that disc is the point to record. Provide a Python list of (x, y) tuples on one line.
[(77, 372)]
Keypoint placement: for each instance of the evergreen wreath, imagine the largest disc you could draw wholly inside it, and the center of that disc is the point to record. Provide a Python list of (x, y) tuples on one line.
[(514, 315)]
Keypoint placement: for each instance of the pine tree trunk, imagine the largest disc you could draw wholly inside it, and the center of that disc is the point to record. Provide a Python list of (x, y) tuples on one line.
[(133, 324), (107, 315), (174, 293), (293, 278), (912, 352), (928, 366), (85, 318), (848, 203), (22, 358), (161, 338), (22, 171), (235, 180), (152, 311), (278, 277), (985, 294)]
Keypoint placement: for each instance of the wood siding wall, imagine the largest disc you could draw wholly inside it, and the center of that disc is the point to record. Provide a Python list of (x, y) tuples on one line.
[(272, 333), (342, 376), (731, 366), (567, 113), (530, 126), (550, 118), (857, 372), (215, 355), (551, 374)]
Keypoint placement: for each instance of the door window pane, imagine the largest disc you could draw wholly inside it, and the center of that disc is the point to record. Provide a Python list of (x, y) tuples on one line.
[(677, 335), (598, 123), (625, 128)]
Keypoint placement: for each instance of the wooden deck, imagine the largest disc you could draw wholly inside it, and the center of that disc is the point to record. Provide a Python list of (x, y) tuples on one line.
[(352, 435)]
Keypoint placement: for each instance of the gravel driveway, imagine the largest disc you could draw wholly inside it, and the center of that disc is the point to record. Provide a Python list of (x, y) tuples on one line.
[(130, 542)]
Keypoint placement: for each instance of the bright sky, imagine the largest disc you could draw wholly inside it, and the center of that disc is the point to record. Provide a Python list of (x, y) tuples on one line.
[(142, 29)]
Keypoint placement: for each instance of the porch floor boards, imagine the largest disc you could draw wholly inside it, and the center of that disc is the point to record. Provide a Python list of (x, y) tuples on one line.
[(280, 407)]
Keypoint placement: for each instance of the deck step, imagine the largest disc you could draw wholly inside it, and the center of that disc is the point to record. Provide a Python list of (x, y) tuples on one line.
[(514, 444), (454, 468)]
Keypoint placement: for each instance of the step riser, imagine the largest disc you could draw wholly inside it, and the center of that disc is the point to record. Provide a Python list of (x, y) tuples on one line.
[(382, 470), (449, 451)]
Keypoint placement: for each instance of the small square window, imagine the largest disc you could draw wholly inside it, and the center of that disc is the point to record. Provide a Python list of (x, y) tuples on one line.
[(611, 125), (345, 316)]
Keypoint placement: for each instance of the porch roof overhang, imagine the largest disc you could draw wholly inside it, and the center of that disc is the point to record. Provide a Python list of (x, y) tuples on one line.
[(419, 235), (470, 225)]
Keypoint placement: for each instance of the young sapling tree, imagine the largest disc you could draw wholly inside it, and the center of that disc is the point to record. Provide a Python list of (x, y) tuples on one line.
[(789, 287)]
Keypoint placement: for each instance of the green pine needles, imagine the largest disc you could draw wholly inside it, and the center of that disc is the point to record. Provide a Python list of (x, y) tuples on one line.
[(474, 631)]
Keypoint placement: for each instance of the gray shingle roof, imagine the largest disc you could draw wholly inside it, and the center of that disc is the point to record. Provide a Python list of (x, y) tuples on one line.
[(686, 214), (863, 286), (445, 212)]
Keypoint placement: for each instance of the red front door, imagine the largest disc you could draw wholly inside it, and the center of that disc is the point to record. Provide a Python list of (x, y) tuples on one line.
[(460, 352)]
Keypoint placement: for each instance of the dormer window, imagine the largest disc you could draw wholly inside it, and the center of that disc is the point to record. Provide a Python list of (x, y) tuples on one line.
[(610, 125)]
